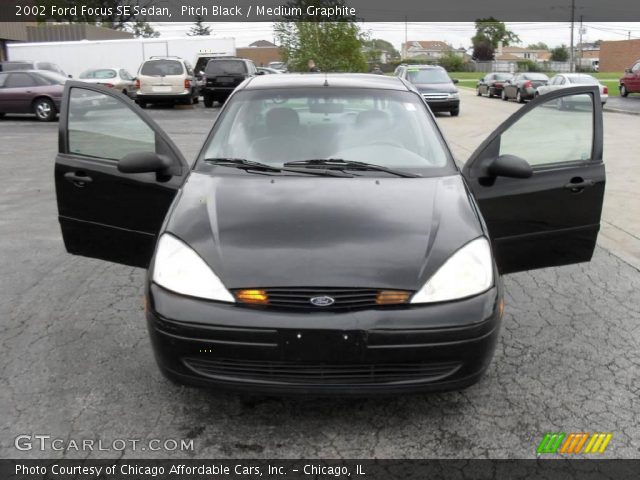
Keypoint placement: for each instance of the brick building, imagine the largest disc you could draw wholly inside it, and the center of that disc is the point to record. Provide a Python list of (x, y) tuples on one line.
[(615, 56)]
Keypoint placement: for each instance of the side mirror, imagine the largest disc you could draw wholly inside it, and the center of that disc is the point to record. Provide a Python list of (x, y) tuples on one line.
[(627, 70), (509, 166), (70, 76), (143, 162), (455, 80), (260, 72)]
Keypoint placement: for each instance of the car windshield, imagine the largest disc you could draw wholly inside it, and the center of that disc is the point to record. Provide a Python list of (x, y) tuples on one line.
[(503, 76), (428, 75), (102, 73), (160, 68), (383, 127), (583, 80), (233, 67)]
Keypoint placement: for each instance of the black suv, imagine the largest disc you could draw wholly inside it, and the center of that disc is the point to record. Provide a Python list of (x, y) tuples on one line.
[(435, 86), (222, 75)]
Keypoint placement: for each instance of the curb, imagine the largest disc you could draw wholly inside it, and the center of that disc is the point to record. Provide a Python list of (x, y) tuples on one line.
[(619, 110)]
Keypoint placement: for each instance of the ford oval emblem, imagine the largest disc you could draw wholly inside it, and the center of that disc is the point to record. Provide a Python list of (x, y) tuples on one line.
[(322, 301)]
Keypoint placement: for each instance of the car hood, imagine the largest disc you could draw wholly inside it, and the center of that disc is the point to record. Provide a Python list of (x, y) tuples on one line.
[(282, 231), (436, 88)]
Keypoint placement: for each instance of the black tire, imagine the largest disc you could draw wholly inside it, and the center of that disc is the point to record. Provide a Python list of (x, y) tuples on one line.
[(208, 101), (195, 100), (519, 98), (623, 91), (455, 112), (142, 103), (45, 110), (2, 114)]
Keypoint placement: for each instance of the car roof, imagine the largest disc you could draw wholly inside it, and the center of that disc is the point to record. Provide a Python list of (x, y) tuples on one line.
[(425, 67), (336, 80)]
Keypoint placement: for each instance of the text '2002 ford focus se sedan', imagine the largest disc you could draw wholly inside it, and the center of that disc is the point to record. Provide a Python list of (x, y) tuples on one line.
[(324, 240)]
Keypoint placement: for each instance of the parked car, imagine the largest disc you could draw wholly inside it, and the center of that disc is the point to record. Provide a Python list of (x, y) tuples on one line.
[(523, 86), (31, 91), (166, 80), (566, 80), (280, 66), (630, 82), (435, 85), (117, 78), (223, 75), (324, 241), (267, 71), (491, 84), (27, 65)]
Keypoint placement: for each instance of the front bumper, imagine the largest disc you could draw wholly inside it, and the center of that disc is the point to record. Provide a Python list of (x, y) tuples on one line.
[(377, 351), (444, 105)]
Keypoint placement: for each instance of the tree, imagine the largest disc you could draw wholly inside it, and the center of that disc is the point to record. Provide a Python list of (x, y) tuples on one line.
[(379, 45), (560, 54), (489, 33), (141, 29), (334, 45), (538, 46), (199, 28)]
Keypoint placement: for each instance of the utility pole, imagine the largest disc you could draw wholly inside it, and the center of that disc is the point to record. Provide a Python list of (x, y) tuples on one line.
[(573, 18), (580, 32), (405, 37)]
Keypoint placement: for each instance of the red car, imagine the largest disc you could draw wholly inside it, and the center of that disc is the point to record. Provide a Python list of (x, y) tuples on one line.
[(31, 91), (630, 83)]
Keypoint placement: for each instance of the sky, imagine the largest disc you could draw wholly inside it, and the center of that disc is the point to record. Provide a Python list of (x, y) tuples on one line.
[(458, 34)]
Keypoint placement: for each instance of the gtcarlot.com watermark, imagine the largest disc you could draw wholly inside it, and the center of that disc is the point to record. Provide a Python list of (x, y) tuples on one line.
[(45, 442)]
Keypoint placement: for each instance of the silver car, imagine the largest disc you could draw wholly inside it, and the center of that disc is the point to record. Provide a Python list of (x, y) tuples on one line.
[(566, 80), (112, 77)]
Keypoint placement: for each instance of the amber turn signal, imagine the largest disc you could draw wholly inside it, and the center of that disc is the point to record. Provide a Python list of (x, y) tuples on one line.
[(256, 297), (391, 297)]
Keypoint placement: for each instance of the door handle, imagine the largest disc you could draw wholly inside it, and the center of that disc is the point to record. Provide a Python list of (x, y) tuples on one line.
[(79, 179), (578, 184)]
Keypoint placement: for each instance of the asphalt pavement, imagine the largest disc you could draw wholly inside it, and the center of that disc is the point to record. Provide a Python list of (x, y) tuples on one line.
[(76, 361)]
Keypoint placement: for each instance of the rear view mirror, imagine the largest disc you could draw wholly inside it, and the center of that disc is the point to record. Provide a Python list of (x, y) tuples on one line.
[(509, 166), (627, 70), (259, 72), (143, 162), (454, 80)]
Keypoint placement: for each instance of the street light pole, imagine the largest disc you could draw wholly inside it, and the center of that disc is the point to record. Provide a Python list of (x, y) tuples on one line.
[(573, 18)]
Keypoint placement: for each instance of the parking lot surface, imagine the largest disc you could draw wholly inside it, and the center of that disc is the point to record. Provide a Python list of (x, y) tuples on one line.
[(76, 361)]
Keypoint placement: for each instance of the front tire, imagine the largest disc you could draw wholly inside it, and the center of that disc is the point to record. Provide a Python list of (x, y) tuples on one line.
[(142, 103), (519, 98), (45, 110), (623, 91), (455, 112), (208, 101)]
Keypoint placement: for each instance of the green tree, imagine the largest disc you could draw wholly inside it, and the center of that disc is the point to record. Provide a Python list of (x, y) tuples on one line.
[(198, 28), (489, 33), (334, 45), (560, 54), (379, 45), (141, 29), (451, 61), (538, 46)]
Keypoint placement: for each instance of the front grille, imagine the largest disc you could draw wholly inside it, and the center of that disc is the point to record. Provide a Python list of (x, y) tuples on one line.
[(435, 96), (321, 373), (299, 298)]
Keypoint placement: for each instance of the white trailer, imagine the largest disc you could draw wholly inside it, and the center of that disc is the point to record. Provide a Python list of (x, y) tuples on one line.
[(76, 57)]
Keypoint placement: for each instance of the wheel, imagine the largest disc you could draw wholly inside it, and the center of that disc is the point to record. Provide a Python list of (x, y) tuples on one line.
[(2, 115), (195, 100), (142, 103), (124, 92), (208, 101), (623, 91), (478, 93), (455, 112), (503, 96), (519, 98), (45, 110)]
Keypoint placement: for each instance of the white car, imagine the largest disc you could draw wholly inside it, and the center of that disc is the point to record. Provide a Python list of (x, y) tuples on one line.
[(566, 80), (112, 77)]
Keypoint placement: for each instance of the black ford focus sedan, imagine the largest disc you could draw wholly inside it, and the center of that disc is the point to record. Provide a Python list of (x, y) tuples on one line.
[(324, 241)]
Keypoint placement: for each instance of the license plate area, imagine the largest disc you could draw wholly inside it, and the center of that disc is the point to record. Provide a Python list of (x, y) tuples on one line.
[(162, 88), (322, 346)]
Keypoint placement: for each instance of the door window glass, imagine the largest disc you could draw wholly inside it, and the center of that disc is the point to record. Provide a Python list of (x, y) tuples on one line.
[(559, 130), (18, 80), (104, 127), (3, 78)]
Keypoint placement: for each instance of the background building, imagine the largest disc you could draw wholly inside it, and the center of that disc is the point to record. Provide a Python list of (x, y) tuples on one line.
[(615, 56)]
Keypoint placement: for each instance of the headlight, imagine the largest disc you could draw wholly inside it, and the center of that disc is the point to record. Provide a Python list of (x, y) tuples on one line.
[(179, 269), (454, 95), (467, 272)]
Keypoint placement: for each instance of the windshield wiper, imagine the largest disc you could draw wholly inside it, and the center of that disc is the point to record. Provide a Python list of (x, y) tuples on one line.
[(252, 165), (339, 163)]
